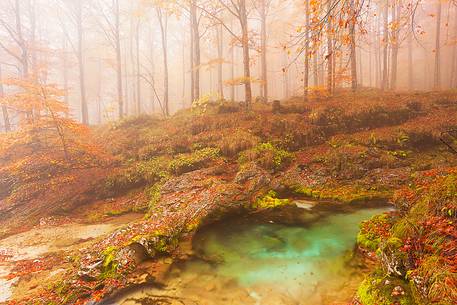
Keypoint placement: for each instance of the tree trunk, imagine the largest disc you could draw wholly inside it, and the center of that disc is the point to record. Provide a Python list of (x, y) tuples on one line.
[(329, 49), (263, 40), (232, 72), (452, 75), (316, 68), (370, 57), (385, 72), (322, 68), (192, 72), (410, 62), (454, 54), (138, 72), (232, 69), (125, 81), (246, 59), (437, 74), (82, 85), (152, 80), (453, 83), (65, 71), (396, 12), (353, 48), (163, 30), (285, 75), (378, 53), (307, 37), (133, 66), (118, 60), (183, 87), (21, 42), (220, 85), (99, 91), (196, 43), (6, 118), (32, 37)]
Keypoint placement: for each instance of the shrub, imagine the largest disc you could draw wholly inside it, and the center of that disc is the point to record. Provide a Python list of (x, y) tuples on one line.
[(231, 145), (299, 108), (267, 156), (135, 121), (137, 175), (414, 106), (228, 107), (189, 162)]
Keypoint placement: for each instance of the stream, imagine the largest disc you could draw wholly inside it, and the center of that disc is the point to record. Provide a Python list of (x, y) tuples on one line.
[(298, 254)]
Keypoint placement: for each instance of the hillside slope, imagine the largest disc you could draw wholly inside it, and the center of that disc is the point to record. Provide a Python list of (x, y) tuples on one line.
[(201, 165)]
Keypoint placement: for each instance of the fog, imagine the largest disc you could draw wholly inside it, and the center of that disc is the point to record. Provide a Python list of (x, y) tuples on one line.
[(120, 58)]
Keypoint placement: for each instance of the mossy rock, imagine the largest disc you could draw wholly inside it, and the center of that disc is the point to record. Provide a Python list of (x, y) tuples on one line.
[(109, 265), (270, 201), (373, 231), (184, 163), (377, 289)]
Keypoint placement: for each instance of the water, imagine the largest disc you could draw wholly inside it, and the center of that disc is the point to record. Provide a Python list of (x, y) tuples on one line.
[(259, 260)]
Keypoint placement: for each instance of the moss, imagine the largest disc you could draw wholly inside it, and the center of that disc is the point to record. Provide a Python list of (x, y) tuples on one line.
[(268, 156), (305, 191), (402, 154), (116, 212), (184, 163), (368, 241), (109, 265), (373, 231), (345, 194), (365, 293), (153, 194), (136, 175), (269, 201), (158, 242), (377, 289)]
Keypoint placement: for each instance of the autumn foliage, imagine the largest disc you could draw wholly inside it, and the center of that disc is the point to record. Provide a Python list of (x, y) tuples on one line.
[(47, 148)]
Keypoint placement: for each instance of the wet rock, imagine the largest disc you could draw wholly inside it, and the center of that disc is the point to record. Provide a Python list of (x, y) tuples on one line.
[(135, 252)]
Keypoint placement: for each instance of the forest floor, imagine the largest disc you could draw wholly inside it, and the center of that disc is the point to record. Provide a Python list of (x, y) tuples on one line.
[(165, 178)]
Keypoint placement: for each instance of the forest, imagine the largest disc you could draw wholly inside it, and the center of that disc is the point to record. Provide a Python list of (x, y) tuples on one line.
[(212, 152)]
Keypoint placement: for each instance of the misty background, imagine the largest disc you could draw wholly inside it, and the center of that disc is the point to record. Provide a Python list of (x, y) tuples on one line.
[(116, 58)]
